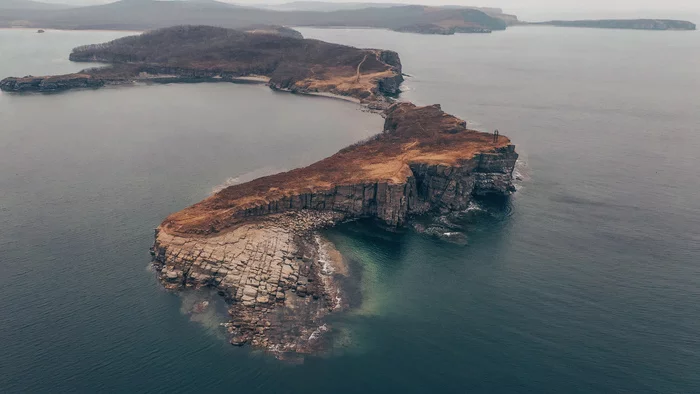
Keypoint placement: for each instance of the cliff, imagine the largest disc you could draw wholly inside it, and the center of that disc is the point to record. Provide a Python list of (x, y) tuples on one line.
[(208, 53), (257, 244), (633, 24), (424, 159)]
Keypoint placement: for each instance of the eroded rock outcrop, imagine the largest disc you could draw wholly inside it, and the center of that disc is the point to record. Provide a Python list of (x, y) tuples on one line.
[(257, 242)]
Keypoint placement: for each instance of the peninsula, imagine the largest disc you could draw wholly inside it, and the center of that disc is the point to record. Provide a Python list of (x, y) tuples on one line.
[(258, 243)]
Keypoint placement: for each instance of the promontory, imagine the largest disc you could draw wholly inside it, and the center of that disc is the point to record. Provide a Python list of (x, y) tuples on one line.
[(258, 244)]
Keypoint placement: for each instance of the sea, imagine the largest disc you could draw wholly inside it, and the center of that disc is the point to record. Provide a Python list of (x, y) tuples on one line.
[(586, 281)]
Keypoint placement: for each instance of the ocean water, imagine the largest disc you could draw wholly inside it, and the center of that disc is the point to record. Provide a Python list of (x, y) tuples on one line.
[(587, 281)]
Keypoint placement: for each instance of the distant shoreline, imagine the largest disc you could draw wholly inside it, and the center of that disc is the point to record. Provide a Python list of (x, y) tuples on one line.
[(50, 29), (621, 24)]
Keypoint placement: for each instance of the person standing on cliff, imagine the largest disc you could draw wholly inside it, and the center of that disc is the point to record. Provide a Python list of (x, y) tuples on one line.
[(495, 136)]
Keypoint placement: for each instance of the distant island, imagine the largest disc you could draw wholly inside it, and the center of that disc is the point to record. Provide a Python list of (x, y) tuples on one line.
[(632, 24), (151, 14), (442, 29), (258, 243)]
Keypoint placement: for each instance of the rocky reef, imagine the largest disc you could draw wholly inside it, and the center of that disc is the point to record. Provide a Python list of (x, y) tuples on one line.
[(258, 244), (208, 54)]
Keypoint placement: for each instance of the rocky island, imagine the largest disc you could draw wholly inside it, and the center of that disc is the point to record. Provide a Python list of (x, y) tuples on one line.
[(258, 243)]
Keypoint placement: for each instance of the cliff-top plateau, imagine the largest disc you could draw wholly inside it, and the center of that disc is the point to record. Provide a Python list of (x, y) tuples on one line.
[(258, 244)]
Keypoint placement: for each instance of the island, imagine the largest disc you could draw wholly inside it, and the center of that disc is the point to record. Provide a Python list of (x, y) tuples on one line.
[(632, 24), (259, 244)]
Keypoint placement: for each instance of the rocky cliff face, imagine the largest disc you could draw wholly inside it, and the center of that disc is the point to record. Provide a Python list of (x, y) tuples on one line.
[(436, 188)]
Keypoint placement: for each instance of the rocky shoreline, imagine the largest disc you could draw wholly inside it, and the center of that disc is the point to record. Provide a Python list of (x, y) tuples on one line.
[(271, 272)]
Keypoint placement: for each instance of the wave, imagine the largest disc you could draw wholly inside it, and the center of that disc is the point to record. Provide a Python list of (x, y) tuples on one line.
[(246, 177)]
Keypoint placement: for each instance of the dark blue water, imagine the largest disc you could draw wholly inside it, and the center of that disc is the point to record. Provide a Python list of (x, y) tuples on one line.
[(588, 281)]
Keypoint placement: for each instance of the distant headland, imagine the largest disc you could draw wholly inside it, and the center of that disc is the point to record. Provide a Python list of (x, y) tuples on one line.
[(258, 243)]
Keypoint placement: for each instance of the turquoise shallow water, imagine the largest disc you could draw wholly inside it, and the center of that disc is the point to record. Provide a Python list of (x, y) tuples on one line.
[(586, 282)]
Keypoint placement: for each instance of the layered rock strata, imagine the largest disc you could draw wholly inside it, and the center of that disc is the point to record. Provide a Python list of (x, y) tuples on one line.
[(258, 242)]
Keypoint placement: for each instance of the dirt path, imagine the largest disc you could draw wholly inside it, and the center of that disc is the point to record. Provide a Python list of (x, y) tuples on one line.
[(358, 68)]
